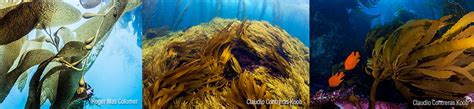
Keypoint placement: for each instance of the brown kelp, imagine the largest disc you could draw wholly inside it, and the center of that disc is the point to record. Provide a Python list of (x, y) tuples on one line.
[(425, 60), (222, 64), (65, 64)]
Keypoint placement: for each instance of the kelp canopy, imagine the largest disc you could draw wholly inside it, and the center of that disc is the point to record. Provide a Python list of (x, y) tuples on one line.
[(427, 59), (62, 57), (224, 63)]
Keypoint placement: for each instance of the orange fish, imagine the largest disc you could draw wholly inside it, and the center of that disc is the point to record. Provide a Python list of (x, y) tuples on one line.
[(352, 60), (336, 79)]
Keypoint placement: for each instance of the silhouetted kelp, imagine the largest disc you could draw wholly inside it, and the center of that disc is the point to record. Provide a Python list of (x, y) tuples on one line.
[(241, 9), (264, 9), (179, 17), (222, 64), (219, 6), (276, 12), (206, 9), (454, 8)]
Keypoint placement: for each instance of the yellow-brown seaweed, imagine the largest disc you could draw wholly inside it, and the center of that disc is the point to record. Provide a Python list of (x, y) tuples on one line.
[(222, 64), (438, 66)]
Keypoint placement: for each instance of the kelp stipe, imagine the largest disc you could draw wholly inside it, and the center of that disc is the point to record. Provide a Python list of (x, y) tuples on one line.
[(62, 66), (418, 58)]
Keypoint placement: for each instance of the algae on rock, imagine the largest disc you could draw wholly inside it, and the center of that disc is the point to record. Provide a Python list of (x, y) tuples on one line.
[(222, 64)]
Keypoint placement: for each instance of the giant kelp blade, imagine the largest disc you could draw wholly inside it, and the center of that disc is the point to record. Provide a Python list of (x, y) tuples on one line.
[(59, 14), (465, 21), (6, 7), (66, 34), (432, 30), (32, 58), (18, 22), (132, 4), (33, 101), (407, 43), (72, 51), (464, 72), (49, 84), (10, 53), (90, 28), (448, 46), (443, 61), (21, 82), (68, 83), (436, 74)]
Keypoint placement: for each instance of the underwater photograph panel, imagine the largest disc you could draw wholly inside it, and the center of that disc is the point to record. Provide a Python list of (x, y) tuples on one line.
[(70, 54), (399, 54), (225, 53)]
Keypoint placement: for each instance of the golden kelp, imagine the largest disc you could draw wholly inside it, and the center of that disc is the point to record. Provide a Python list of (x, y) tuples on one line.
[(222, 64), (65, 64), (423, 62)]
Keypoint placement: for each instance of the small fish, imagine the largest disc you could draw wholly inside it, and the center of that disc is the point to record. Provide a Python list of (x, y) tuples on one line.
[(90, 3), (351, 61), (336, 79)]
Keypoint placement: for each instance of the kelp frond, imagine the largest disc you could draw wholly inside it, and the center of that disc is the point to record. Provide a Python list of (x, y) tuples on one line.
[(246, 88), (187, 72), (64, 66), (207, 64), (415, 55)]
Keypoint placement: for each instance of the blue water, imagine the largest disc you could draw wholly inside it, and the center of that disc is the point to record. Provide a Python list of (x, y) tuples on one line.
[(291, 15), (388, 9), (116, 73), (339, 27)]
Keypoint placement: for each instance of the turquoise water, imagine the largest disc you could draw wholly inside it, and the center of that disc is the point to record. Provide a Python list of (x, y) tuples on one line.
[(116, 73), (290, 15)]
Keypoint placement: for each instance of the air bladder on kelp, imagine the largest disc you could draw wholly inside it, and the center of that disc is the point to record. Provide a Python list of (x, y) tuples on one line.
[(90, 3), (68, 64)]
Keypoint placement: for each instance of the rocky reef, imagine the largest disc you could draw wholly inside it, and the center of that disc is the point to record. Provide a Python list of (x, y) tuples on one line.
[(224, 63)]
